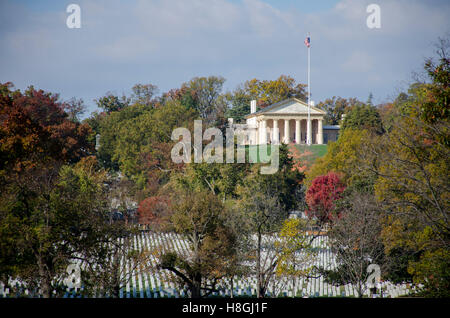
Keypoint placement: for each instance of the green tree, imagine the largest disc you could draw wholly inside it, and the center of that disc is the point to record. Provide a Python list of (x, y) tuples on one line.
[(239, 105), (104, 271), (436, 106), (265, 201), (112, 103), (199, 217), (109, 129), (336, 107), (295, 250), (142, 144), (55, 214), (413, 188), (363, 117), (268, 92), (205, 91), (354, 156), (143, 94)]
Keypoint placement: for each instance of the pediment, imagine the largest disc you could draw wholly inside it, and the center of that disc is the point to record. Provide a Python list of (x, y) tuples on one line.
[(290, 106)]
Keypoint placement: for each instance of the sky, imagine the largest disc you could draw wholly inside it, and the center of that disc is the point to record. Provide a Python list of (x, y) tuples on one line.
[(168, 42)]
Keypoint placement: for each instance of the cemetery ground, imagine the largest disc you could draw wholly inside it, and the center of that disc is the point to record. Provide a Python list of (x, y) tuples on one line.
[(152, 282)]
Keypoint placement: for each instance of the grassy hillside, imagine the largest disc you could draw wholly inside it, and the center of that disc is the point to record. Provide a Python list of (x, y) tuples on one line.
[(304, 155)]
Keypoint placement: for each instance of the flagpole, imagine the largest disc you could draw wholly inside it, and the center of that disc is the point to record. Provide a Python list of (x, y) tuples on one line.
[(308, 124)]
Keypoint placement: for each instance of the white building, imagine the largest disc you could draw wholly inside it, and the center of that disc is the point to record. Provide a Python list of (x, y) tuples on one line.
[(285, 121)]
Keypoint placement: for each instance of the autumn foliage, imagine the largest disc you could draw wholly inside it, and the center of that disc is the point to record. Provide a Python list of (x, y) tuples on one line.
[(152, 210), (35, 129), (321, 196)]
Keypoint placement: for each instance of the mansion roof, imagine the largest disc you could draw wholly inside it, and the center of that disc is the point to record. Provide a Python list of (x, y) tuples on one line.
[(291, 106)]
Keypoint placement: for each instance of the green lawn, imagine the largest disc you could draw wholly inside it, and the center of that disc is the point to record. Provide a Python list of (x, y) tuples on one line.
[(316, 150), (306, 154)]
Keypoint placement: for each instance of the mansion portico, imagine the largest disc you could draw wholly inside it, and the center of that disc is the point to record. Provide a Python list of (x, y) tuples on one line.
[(286, 121)]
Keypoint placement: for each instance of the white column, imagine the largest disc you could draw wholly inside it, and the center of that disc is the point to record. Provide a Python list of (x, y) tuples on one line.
[(275, 132), (320, 132), (297, 131), (264, 132), (309, 131), (259, 132), (286, 131)]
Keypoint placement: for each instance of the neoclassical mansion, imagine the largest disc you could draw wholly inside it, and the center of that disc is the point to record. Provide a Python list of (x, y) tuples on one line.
[(287, 122)]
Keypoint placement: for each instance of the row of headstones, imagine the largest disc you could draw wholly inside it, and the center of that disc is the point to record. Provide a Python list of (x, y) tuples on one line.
[(159, 284), (314, 287), (171, 241)]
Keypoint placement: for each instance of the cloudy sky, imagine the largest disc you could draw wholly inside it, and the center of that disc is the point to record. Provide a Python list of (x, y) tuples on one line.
[(167, 42)]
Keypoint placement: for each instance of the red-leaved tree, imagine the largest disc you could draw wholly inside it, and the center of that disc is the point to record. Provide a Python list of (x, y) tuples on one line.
[(35, 129), (152, 210), (321, 196)]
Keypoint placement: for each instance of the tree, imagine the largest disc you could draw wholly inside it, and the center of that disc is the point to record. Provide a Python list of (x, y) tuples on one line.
[(94, 121), (35, 128), (413, 185), (363, 117), (268, 92), (110, 265), (205, 91), (198, 216), (355, 156), (264, 218), (56, 214), (221, 179), (143, 94), (142, 143), (153, 210), (109, 127), (184, 95), (436, 106), (265, 201), (406, 168), (413, 189), (321, 197), (295, 250), (112, 103), (355, 239), (336, 107), (50, 210), (239, 104), (75, 108)]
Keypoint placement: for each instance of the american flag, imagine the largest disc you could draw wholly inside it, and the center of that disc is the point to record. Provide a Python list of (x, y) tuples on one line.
[(308, 41)]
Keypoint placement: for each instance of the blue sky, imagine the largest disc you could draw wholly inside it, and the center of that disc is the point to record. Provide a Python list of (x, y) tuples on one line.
[(168, 42)]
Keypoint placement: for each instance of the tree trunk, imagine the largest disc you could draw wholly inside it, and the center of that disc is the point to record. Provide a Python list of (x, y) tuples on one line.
[(116, 292), (44, 279), (360, 292), (232, 286), (260, 289), (196, 286)]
